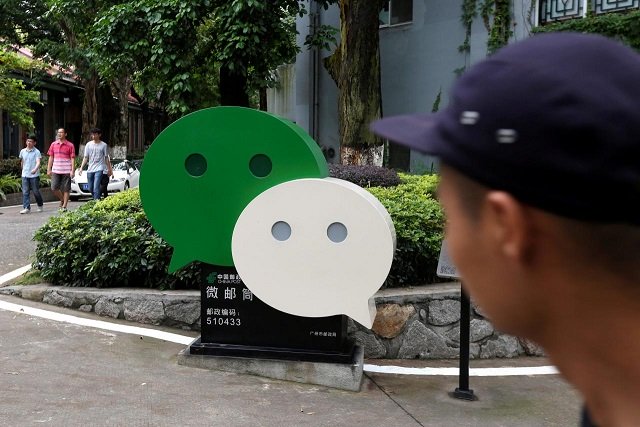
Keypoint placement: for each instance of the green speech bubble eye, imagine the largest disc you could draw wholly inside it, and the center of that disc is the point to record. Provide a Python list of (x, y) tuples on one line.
[(196, 164), (260, 165)]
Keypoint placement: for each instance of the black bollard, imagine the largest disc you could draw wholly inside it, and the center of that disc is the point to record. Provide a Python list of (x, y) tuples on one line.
[(462, 391)]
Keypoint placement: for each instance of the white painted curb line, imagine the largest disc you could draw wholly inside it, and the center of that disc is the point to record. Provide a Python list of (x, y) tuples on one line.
[(100, 324), (473, 372), (15, 273)]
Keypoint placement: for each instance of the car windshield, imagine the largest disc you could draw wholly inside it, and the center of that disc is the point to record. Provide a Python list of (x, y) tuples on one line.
[(122, 166)]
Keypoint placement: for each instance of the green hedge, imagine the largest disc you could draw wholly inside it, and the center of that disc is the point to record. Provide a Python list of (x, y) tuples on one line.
[(111, 243), (9, 184), (419, 223), (365, 175), (13, 167), (11, 176), (10, 167), (105, 244)]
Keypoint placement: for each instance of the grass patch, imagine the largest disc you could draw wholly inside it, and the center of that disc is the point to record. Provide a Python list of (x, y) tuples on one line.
[(31, 277)]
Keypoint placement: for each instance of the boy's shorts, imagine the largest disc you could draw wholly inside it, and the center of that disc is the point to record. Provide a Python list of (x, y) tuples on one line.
[(61, 182)]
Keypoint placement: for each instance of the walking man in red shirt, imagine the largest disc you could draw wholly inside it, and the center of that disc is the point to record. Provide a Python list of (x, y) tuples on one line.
[(60, 168)]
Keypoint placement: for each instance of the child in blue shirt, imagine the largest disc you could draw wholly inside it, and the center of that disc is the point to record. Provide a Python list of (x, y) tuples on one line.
[(30, 161)]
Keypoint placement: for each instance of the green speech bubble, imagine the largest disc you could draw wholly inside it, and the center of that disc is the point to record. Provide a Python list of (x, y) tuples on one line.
[(204, 169)]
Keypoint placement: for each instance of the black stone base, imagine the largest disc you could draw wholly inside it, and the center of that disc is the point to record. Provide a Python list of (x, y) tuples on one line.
[(346, 356)]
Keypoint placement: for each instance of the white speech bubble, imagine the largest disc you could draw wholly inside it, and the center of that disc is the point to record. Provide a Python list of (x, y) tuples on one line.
[(315, 247)]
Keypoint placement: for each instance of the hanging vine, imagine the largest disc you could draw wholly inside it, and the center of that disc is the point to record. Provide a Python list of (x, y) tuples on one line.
[(486, 9), (501, 27), (469, 13), (496, 16), (530, 13)]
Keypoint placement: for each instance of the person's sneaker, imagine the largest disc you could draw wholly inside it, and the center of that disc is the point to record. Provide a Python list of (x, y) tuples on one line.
[(40, 209), (25, 211), (62, 209)]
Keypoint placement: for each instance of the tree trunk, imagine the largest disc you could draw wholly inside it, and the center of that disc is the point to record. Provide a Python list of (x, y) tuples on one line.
[(108, 111), (263, 98), (233, 87), (355, 67), (120, 133), (89, 105), (149, 118)]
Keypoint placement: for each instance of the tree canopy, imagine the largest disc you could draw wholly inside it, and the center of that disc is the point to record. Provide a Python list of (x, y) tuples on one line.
[(164, 41), (179, 56), (182, 56), (15, 97)]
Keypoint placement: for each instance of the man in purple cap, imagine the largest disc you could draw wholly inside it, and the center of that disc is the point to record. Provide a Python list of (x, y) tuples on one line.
[(540, 166)]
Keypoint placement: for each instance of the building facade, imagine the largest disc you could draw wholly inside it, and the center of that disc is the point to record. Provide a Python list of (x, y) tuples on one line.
[(420, 56), (61, 97)]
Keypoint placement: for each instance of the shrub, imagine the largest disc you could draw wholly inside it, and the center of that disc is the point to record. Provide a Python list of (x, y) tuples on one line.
[(45, 181), (10, 167), (420, 184), (108, 243), (366, 175), (419, 223), (9, 184), (111, 243)]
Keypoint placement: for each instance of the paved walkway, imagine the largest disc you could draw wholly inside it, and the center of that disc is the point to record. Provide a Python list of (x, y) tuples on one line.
[(16, 233), (63, 374)]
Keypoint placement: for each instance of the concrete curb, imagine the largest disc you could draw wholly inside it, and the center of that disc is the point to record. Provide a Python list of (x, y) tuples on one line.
[(177, 309), (334, 375), (413, 323), (15, 199)]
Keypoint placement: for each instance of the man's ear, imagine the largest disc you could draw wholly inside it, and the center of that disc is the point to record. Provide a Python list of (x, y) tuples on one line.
[(509, 225)]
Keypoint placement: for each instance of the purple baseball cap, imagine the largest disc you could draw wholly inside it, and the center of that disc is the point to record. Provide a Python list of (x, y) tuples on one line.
[(553, 120)]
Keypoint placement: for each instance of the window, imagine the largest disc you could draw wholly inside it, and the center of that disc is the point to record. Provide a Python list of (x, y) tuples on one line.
[(396, 12), (558, 10)]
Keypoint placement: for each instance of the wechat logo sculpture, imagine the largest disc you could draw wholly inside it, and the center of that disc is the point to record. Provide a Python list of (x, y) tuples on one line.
[(233, 186)]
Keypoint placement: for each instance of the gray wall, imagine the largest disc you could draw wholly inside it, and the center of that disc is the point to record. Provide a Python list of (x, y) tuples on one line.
[(417, 61), (326, 130)]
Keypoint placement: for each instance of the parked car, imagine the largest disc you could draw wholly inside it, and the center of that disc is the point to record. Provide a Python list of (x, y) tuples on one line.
[(125, 175), (137, 163)]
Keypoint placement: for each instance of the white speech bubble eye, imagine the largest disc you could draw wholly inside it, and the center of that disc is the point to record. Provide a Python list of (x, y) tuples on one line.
[(281, 231), (337, 232)]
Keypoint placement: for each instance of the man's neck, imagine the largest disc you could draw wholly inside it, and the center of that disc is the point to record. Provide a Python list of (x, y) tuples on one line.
[(595, 350)]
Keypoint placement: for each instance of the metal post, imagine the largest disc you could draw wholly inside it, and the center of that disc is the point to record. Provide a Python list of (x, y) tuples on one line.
[(463, 391)]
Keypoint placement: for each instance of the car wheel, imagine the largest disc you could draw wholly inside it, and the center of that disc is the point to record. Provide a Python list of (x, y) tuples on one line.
[(74, 198), (126, 186)]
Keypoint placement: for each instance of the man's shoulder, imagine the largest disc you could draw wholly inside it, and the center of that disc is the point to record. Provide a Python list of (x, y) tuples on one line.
[(70, 146)]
